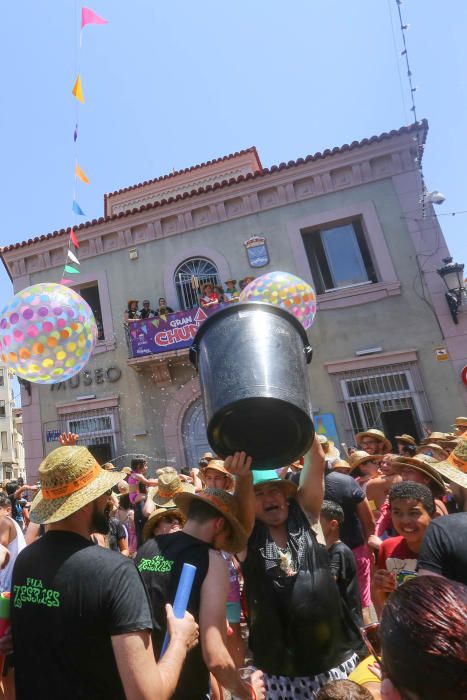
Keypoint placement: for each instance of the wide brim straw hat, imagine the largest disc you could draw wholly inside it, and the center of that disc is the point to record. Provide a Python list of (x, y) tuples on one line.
[(331, 452), (405, 439), (341, 464), (437, 451), (227, 507), (218, 466), (70, 479), (154, 518), (228, 281), (454, 468), (423, 464), (169, 484), (360, 457), (436, 436), (133, 301), (269, 476), (376, 435), (460, 422)]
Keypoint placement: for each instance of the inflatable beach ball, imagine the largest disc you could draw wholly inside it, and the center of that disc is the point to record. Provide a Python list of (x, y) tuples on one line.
[(285, 290), (47, 333)]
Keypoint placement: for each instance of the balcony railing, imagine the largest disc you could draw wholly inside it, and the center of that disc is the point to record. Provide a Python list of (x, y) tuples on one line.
[(175, 331)]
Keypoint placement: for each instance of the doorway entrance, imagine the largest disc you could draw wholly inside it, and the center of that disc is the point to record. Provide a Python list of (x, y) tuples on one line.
[(195, 440), (398, 422)]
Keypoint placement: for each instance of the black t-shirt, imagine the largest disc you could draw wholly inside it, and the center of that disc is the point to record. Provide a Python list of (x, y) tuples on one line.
[(160, 561), (117, 532), (444, 548), (68, 599), (345, 491), (344, 570)]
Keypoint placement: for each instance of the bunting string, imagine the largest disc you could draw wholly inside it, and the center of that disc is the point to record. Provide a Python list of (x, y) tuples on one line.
[(72, 264)]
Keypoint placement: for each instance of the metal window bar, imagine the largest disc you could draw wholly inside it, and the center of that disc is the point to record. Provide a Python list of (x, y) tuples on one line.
[(95, 427), (189, 279), (371, 391)]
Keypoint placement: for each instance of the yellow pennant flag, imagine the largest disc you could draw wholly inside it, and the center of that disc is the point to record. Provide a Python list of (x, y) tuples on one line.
[(81, 174), (78, 90)]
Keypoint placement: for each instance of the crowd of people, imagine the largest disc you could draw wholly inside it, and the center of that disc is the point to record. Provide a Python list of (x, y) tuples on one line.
[(209, 294), (340, 576)]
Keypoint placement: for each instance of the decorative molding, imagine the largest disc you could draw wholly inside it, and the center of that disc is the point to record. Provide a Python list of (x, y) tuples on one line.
[(381, 359), (177, 406), (90, 404), (159, 365), (344, 170)]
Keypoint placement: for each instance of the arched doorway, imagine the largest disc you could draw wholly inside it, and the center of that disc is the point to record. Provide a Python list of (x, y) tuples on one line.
[(195, 440)]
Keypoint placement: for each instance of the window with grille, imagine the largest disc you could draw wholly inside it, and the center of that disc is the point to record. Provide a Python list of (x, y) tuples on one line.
[(2, 409), (339, 256), (189, 279)]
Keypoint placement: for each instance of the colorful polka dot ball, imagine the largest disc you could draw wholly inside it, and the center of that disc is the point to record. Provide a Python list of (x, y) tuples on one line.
[(285, 290), (47, 333)]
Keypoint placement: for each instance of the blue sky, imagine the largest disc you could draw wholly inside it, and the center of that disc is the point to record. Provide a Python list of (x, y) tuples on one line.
[(171, 84)]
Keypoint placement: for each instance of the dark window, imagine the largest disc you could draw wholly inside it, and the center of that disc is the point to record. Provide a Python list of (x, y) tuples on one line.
[(91, 295), (2, 409), (2, 379), (338, 256)]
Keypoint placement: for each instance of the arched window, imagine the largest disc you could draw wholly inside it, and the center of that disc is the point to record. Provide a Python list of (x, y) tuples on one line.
[(189, 278)]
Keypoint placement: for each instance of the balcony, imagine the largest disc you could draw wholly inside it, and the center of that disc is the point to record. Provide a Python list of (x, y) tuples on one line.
[(156, 344)]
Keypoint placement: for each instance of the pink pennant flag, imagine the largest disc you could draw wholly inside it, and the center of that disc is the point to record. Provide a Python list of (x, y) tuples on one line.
[(64, 281), (88, 16)]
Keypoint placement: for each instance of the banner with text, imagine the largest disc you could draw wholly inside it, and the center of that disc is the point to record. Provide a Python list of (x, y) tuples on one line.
[(172, 332)]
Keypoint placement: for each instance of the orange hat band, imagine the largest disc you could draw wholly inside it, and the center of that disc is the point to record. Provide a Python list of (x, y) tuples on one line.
[(167, 494), (71, 486), (213, 500), (457, 462)]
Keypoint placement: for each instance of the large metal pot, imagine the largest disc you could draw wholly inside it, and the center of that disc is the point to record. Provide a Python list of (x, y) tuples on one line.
[(252, 360)]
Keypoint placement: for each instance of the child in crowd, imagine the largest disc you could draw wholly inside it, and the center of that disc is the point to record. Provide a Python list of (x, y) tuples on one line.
[(342, 561), (412, 509)]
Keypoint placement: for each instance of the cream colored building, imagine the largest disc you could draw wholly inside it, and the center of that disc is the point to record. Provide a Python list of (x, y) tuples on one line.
[(386, 351), (11, 439)]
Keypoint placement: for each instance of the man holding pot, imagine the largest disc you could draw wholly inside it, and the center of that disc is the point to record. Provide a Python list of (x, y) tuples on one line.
[(300, 636)]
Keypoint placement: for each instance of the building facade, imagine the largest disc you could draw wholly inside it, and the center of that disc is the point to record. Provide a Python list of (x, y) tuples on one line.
[(12, 455), (386, 351)]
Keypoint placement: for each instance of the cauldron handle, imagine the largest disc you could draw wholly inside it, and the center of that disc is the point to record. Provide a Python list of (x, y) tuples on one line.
[(193, 355), (308, 350)]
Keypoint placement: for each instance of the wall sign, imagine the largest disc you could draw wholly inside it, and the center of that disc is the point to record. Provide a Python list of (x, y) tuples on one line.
[(53, 435), (88, 377), (257, 251), (441, 354)]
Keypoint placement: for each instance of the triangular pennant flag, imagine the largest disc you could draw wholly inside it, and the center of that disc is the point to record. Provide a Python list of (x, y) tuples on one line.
[(78, 90), (64, 281), (81, 174), (77, 209), (73, 258), (75, 133), (73, 238), (88, 16), (71, 270)]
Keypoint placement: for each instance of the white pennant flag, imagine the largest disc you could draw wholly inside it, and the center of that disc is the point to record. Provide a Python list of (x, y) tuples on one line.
[(73, 258)]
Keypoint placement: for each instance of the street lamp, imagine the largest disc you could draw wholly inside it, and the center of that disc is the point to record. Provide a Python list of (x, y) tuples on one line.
[(453, 276)]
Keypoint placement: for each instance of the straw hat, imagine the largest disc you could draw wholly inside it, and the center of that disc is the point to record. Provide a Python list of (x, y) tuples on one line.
[(218, 466), (436, 450), (376, 435), (127, 470), (70, 479), (133, 301), (269, 476), (423, 464), (360, 457), (228, 281), (155, 517), (454, 468), (169, 483), (405, 439), (108, 466), (341, 464), (227, 507), (436, 436)]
